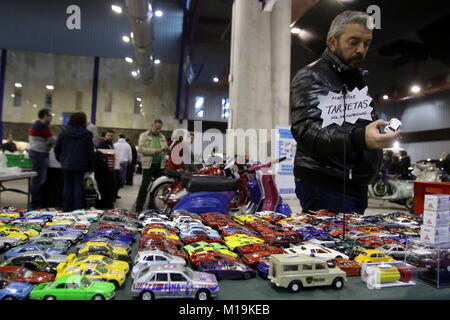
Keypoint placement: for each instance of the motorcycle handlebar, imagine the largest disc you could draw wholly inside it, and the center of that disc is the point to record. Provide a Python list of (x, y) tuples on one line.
[(266, 165)]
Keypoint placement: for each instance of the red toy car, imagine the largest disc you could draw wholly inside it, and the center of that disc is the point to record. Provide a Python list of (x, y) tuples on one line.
[(201, 237), (22, 274), (115, 226), (282, 239), (252, 259), (195, 259), (257, 247)]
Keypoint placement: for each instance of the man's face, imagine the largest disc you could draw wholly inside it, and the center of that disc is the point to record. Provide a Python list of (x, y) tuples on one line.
[(47, 118), (156, 128), (109, 136), (353, 45)]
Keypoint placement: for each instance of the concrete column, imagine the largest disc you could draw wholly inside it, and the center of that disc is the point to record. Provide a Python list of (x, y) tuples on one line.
[(260, 65)]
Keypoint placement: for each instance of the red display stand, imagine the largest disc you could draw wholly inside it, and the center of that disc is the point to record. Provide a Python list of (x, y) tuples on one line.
[(423, 188)]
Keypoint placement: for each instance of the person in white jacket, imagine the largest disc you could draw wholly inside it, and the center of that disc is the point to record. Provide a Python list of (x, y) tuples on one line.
[(124, 157)]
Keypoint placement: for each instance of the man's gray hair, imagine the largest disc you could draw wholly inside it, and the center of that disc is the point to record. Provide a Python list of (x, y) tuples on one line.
[(339, 23)]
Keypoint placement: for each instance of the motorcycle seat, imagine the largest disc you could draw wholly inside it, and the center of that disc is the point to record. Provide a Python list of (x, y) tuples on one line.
[(173, 173), (211, 184)]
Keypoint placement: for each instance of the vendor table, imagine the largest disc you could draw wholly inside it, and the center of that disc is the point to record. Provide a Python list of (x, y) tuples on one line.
[(18, 176), (423, 188)]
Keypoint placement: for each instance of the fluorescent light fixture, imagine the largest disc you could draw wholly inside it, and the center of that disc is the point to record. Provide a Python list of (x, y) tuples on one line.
[(134, 73), (157, 61), (415, 89), (150, 7), (116, 8), (131, 35), (49, 87), (159, 13), (126, 39), (215, 79), (129, 60), (296, 30), (18, 85), (138, 99)]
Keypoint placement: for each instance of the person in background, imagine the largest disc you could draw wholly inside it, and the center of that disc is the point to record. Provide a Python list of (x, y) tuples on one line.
[(41, 141), (124, 156), (152, 145), (101, 139), (108, 140), (132, 167), (74, 149), (93, 129), (9, 145), (405, 164)]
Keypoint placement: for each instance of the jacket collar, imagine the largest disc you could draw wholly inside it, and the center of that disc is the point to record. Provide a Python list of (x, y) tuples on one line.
[(336, 63)]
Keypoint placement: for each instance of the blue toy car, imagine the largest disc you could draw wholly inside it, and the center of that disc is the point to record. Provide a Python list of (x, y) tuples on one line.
[(17, 251), (13, 290), (263, 269)]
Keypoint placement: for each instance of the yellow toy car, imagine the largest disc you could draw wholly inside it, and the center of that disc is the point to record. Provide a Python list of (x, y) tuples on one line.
[(60, 221), (96, 271), (99, 245), (245, 218), (13, 215), (24, 237), (371, 255), (73, 260), (239, 240), (28, 231), (163, 232), (202, 247)]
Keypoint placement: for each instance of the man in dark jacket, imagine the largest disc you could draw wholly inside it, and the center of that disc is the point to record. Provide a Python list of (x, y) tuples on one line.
[(74, 149), (335, 162)]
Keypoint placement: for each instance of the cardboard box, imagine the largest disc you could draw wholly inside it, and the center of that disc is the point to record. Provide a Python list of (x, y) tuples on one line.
[(434, 235), (436, 218), (437, 202)]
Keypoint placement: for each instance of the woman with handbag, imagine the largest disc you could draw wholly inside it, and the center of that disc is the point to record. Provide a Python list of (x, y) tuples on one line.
[(74, 149)]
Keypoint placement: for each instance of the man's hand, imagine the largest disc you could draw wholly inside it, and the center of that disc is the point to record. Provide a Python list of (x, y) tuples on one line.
[(377, 140)]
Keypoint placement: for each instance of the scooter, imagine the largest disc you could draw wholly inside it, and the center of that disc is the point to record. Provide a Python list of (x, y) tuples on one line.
[(402, 191), (214, 194)]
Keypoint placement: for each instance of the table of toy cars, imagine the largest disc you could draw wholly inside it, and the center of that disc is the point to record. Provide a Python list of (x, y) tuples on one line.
[(423, 188), (18, 176)]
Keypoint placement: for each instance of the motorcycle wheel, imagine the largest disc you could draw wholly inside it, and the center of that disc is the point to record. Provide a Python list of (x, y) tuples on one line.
[(161, 191), (379, 188)]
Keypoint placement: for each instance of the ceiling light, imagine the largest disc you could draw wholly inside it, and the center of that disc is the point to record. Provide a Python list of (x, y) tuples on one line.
[(134, 73), (296, 30), (126, 39), (18, 85), (34, 105), (138, 99), (132, 35), (415, 89), (385, 97), (150, 7), (129, 60), (50, 87), (116, 8), (215, 79), (13, 95), (157, 61), (159, 13)]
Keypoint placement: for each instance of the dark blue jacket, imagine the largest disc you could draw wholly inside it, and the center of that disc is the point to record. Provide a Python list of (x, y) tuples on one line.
[(74, 149)]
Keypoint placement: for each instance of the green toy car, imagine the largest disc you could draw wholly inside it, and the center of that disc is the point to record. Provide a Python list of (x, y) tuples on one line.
[(74, 287)]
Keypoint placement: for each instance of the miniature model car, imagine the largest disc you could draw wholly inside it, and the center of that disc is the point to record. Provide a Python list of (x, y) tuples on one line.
[(37, 265), (53, 259), (243, 219), (163, 245), (195, 259), (114, 234), (163, 233), (198, 245), (32, 247), (103, 248), (73, 260), (238, 240), (61, 236), (153, 257), (350, 267), (112, 243), (263, 269), (14, 290), (213, 247), (204, 237), (256, 247), (394, 250), (227, 270), (270, 216), (370, 255), (15, 234), (74, 287), (297, 271), (408, 223), (393, 126), (158, 220), (62, 246), (96, 271), (282, 239), (253, 259), (355, 251), (315, 251), (22, 274), (9, 241), (174, 281)]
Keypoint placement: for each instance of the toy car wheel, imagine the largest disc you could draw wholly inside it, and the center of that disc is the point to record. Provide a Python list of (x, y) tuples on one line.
[(7, 246), (116, 285), (338, 283), (147, 295), (295, 286), (203, 295), (247, 275), (338, 257), (49, 298), (98, 297)]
